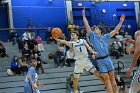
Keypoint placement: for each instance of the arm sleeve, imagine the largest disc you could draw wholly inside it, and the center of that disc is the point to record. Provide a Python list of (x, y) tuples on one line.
[(30, 72), (84, 41), (107, 36), (91, 34)]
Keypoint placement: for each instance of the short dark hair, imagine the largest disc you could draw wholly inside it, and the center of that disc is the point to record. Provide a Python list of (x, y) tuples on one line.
[(100, 27), (77, 33)]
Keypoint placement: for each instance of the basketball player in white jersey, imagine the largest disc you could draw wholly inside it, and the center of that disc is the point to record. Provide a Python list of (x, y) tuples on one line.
[(80, 54), (135, 84)]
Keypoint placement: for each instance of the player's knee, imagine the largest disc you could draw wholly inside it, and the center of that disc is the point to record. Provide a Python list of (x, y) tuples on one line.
[(76, 76), (112, 75), (106, 78)]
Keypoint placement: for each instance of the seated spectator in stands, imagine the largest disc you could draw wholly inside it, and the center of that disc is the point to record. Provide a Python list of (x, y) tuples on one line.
[(121, 33), (2, 51), (39, 44), (69, 84), (82, 34), (124, 46), (39, 63), (26, 36), (119, 37), (26, 52), (127, 35), (69, 57), (15, 65), (32, 43), (23, 65), (62, 48), (36, 51), (121, 84), (71, 26), (118, 46), (114, 51), (13, 36), (59, 57), (48, 35), (21, 44)]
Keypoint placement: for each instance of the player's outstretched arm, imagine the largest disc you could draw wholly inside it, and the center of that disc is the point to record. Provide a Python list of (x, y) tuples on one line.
[(88, 29), (135, 58), (64, 42), (117, 28), (94, 54)]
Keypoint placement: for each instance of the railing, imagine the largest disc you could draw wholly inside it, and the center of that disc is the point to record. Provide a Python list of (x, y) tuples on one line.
[(120, 67)]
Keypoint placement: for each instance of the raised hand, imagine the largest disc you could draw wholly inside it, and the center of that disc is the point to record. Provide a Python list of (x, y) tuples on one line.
[(83, 11), (122, 17)]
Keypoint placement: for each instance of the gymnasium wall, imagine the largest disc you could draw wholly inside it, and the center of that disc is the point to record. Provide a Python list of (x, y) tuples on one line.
[(3, 22), (45, 14), (94, 14), (42, 13)]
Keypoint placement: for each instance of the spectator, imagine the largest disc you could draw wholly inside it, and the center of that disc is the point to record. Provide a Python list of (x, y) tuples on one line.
[(82, 34), (26, 52), (32, 43), (39, 63), (121, 85), (15, 65), (20, 44), (119, 37), (114, 51), (71, 26), (69, 57), (49, 36), (26, 36), (39, 44), (2, 51), (14, 36), (127, 35), (59, 57), (118, 46), (23, 65), (36, 51)]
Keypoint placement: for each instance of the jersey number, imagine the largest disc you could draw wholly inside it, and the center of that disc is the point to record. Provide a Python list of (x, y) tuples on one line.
[(80, 49)]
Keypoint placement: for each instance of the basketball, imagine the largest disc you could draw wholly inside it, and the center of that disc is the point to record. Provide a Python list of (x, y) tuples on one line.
[(56, 33)]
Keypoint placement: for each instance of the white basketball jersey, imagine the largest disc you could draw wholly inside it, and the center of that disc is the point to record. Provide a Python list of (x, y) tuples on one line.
[(79, 48)]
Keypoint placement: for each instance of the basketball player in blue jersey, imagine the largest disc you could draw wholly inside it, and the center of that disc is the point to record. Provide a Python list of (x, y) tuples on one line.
[(100, 45), (29, 86), (80, 54), (135, 84)]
